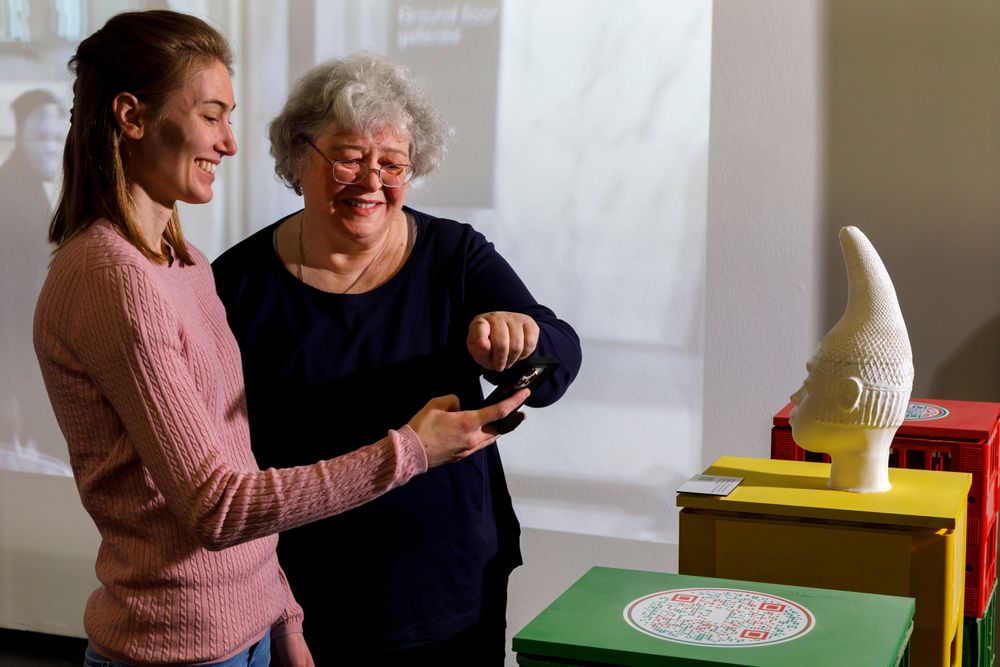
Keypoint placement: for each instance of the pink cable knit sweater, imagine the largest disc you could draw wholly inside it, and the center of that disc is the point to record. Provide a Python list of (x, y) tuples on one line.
[(146, 382)]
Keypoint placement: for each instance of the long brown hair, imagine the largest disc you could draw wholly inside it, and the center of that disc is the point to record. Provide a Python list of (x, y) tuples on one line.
[(149, 54)]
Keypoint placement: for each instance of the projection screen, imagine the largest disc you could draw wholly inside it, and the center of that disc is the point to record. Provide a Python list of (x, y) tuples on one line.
[(579, 147)]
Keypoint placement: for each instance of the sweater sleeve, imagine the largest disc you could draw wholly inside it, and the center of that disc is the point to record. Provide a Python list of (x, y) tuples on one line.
[(131, 343), (492, 285)]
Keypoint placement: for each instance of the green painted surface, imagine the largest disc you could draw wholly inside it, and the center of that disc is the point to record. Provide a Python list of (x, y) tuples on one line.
[(978, 636), (586, 625)]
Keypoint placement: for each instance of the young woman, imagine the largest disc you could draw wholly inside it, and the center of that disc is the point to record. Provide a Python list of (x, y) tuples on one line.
[(145, 376)]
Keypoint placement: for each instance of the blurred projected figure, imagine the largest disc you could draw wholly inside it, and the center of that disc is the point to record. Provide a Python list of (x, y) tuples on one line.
[(14, 21), (860, 378), (29, 436)]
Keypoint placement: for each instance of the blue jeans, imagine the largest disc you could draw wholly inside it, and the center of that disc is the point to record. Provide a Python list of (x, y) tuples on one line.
[(258, 655)]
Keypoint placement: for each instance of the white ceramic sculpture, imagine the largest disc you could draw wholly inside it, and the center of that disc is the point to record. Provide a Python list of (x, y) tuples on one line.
[(855, 395)]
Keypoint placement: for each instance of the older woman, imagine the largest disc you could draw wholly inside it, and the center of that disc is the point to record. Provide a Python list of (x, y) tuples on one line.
[(350, 313)]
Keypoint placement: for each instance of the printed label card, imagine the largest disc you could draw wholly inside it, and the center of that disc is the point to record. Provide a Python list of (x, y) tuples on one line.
[(710, 485)]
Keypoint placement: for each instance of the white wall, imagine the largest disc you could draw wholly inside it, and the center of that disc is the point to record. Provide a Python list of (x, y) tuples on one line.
[(764, 217), (762, 282)]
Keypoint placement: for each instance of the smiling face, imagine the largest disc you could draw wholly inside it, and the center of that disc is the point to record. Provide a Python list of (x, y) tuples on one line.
[(364, 211), (178, 154)]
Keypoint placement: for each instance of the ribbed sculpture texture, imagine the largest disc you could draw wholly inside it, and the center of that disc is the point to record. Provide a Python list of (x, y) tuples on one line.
[(855, 395)]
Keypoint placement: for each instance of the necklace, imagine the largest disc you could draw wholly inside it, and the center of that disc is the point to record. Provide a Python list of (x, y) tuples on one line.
[(357, 278)]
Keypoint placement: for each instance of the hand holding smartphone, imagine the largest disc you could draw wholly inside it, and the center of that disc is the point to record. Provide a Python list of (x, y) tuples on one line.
[(531, 373)]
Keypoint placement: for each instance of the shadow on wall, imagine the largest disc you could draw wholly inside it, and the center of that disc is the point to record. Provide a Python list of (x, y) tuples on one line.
[(971, 372), (912, 125), (633, 508)]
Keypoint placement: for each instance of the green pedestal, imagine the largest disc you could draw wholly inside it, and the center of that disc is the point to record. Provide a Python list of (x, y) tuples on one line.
[(631, 618), (977, 642)]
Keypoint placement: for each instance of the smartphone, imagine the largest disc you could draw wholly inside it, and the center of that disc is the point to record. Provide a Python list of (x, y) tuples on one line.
[(531, 373)]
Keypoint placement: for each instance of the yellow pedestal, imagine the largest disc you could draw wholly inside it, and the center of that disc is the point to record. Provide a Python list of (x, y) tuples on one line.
[(783, 525)]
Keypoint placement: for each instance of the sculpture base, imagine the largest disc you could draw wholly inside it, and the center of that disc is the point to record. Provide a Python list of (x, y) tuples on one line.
[(617, 617), (956, 436), (783, 525)]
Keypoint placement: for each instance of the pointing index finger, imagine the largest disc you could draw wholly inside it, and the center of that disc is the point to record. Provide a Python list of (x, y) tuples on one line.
[(491, 413)]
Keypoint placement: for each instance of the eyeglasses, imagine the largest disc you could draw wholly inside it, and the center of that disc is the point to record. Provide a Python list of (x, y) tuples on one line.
[(350, 172)]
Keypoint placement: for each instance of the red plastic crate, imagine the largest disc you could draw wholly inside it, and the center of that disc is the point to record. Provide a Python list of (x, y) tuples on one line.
[(980, 572), (960, 436)]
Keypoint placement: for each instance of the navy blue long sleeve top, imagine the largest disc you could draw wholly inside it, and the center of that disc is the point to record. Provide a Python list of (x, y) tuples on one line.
[(328, 373)]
